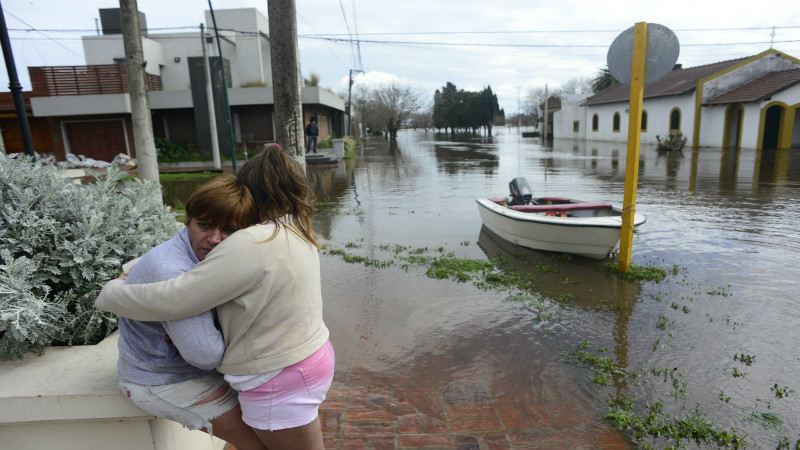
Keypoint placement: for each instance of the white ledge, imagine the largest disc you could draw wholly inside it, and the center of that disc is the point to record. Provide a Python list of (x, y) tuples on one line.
[(68, 398)]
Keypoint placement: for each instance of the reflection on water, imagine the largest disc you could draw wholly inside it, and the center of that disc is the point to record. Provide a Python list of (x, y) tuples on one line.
[(727, 218)]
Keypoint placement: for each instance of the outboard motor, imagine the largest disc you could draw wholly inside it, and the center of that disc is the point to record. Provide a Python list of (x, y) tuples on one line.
[(521, 193)]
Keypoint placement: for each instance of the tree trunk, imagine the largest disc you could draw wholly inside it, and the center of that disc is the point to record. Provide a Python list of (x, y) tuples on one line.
[(286, 78), (137, 88)]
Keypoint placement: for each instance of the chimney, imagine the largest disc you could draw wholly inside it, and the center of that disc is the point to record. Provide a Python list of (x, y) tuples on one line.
[(112, 23)]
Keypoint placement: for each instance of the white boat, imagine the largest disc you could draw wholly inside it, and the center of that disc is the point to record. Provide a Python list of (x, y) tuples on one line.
[(556, 224)]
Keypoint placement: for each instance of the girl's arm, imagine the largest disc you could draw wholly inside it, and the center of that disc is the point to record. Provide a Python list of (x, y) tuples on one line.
[(227, 272), (198, 340)]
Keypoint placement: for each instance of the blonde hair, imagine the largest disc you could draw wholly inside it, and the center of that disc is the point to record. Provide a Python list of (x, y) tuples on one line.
[(280, 187), (224, 201)]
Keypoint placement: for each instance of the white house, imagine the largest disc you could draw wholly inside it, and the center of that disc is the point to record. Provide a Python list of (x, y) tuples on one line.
[(88, 108), (743, 103)]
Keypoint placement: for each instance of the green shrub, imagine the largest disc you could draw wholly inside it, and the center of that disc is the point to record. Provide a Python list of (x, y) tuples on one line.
[(170, 152), (59, 244), (674, 141)]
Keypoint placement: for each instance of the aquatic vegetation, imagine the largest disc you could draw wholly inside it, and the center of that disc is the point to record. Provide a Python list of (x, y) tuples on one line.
[(651, 272), (606, 370), (781, 392), (768, 420), (654, 424), (747, 360), (326, 207)]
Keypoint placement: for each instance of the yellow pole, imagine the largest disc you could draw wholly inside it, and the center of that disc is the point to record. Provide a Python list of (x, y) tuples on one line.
[(634, 138)]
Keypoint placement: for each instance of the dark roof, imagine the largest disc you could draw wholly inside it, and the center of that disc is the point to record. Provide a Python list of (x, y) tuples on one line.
[(553, 103), (759, 89), (676, 82)]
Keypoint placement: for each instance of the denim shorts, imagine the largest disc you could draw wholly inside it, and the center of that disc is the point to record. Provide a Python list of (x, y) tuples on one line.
[(173, 401), (292, 398)]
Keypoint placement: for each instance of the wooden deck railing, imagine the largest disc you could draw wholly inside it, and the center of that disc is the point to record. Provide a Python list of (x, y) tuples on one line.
[(84, 80)]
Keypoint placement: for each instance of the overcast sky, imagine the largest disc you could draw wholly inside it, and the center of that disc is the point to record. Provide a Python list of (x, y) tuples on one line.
[(505, 44)]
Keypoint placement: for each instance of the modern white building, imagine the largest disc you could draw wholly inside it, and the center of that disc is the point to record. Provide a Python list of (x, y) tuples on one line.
[(87, 108), (743, 103)]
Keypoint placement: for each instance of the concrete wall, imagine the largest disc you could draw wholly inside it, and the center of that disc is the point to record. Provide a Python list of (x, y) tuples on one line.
[(253, 62), (68, 399), (105, 49), (564, 119), (658, 113)]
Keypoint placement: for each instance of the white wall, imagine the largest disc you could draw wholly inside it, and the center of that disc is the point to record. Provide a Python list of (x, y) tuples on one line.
[(563, 120), (68, 399), (253, 63), (105, 49)]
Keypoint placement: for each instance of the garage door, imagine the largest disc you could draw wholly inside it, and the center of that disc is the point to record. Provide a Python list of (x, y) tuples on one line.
[(101, 140)]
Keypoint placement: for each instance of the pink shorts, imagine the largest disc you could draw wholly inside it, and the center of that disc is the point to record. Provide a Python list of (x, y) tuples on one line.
[(292, 398)]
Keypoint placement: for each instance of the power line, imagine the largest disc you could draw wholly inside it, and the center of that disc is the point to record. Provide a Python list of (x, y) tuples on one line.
[(48, 38), (424, 33)]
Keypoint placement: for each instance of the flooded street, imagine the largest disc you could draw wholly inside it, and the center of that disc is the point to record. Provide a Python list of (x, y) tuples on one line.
[(429, 359), (428, 362)]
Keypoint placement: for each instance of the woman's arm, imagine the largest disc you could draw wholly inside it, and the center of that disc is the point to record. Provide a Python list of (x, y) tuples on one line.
[(198, 340), (228, 271)]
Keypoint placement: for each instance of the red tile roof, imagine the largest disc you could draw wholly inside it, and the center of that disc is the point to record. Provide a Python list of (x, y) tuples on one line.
[(676, 82), (759, 89)]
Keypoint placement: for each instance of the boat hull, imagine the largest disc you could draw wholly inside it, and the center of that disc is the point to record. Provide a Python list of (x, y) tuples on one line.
[(593, 234)]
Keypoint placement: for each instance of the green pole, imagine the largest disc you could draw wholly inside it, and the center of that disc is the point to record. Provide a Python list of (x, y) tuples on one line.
[(224, 90)]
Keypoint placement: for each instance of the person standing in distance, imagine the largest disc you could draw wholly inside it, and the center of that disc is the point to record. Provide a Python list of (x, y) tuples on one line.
[(312, 130)]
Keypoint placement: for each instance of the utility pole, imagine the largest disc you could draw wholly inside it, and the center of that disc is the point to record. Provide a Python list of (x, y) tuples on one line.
[(546, 104), (519, 118), (16, 88), (212, 116), (286, 77), (137, 89), (225, 90), (350, 101)]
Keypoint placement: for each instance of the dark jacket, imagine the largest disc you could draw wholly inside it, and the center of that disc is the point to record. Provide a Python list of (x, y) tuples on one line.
[(312, 130)]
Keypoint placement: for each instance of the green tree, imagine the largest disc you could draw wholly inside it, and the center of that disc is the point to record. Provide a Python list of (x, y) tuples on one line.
[(603, 80)]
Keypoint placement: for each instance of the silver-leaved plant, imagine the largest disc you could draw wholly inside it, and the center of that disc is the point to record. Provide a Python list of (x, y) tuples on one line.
[(60, 242)]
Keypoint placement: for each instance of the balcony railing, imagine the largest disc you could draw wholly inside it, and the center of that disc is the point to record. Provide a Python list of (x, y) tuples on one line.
[(84, 80)]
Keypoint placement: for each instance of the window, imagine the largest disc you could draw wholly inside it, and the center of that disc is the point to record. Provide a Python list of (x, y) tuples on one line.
[(595, 123), (576, 126), (675, 120), (616, 122), (120, 61), (644, 121)]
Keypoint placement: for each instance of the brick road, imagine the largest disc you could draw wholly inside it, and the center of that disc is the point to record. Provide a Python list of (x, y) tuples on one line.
[(409, 413)]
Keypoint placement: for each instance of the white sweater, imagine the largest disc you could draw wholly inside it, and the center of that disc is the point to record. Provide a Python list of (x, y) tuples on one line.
[(267, 294)]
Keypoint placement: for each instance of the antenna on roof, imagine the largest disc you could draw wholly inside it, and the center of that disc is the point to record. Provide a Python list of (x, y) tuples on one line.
[(772, 37)]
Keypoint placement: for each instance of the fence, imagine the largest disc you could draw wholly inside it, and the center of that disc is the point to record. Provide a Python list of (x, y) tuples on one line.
[(84, 80)]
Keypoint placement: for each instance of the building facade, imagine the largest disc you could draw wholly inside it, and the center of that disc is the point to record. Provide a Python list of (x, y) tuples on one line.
[(87, 108), (749, 102)]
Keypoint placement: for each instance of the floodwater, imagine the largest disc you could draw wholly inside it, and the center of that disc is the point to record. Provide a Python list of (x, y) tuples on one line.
[(728, 220)]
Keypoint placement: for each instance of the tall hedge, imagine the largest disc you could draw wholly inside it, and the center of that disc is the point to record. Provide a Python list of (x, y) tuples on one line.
[(59, 243)]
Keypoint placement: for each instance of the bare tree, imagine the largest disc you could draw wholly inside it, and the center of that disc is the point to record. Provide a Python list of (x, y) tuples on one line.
[(577, 85), (392, 104)]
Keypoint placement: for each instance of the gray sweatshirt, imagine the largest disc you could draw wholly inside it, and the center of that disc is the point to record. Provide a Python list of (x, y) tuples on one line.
[(144, 356)]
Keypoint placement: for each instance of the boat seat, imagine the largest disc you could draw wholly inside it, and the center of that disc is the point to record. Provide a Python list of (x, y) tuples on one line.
[(561, 207), (498, 200), (549, 200)]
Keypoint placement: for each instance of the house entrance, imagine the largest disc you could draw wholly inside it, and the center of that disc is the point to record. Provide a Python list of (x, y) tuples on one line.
[(772, 127), (733, 127)]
